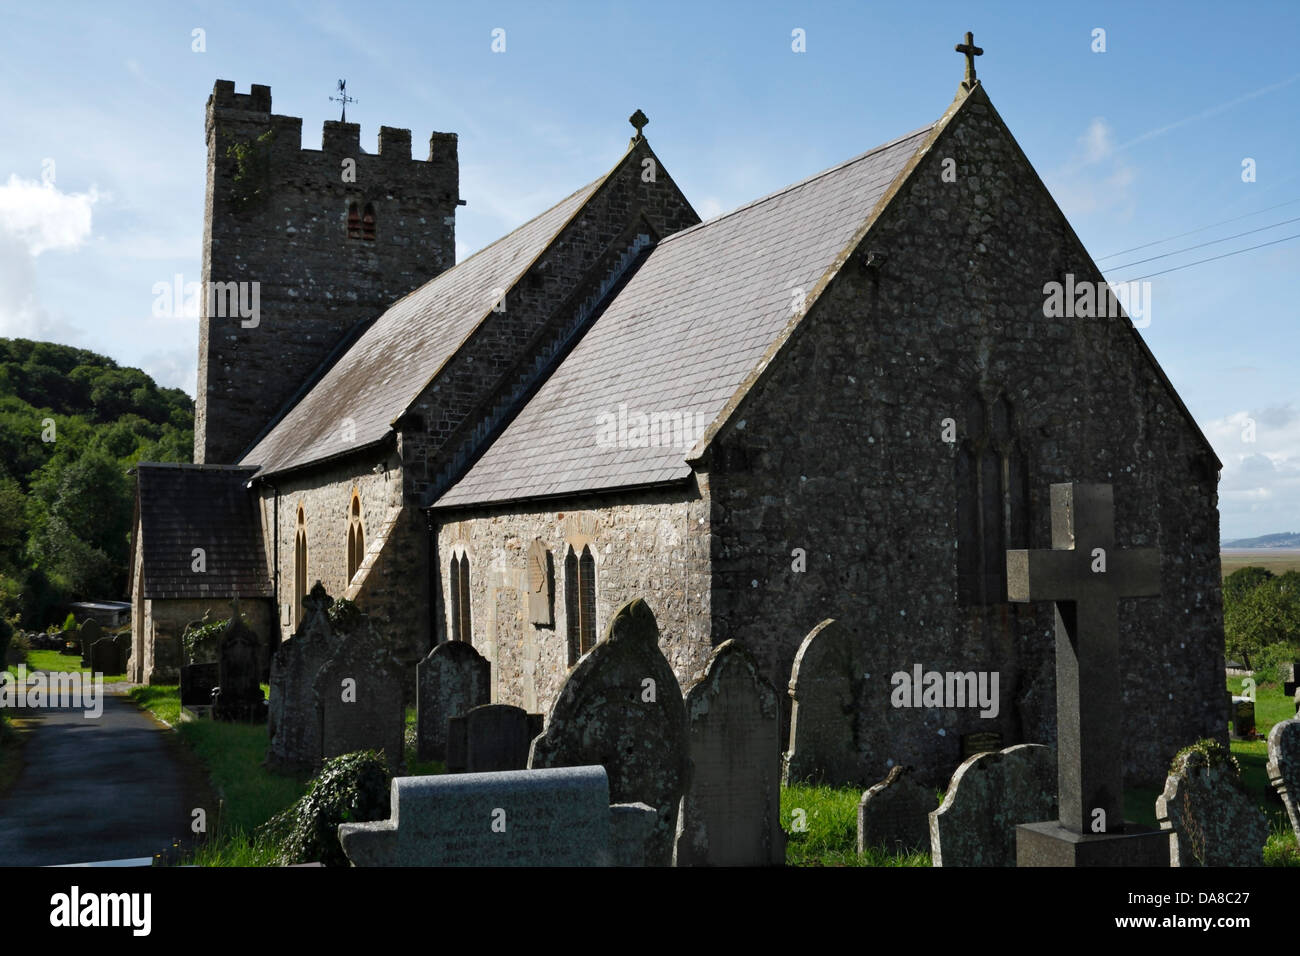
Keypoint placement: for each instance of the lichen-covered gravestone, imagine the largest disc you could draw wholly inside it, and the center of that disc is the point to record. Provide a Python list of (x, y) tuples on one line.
[(106, 657), (1284, 767), (451, 679), (621, 708), (825, 684), (293, 725), (895, 813), (1216, 822), (358, 695), (730, 813), (990, 794), (496, 738)]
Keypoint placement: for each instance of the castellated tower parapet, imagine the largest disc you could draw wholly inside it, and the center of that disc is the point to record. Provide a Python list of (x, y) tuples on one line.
[(331, 237)]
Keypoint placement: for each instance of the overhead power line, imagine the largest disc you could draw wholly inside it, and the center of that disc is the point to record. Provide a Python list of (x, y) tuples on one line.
[(1192, 232), (1235, 252), (1202, 245)]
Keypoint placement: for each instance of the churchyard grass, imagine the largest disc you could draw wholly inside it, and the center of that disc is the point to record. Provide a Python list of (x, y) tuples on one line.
[(831, 838), (414, 766), (1271, 706), (233, 754), (55, 662)]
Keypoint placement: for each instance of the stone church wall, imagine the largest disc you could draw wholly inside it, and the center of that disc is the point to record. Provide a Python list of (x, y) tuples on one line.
[(842, 455), (652, 545)]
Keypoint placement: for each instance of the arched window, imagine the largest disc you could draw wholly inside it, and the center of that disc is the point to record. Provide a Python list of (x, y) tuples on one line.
[(299, 566), (580, 601), (354, 221), (368, 222), (992, 501), (458, 592), (356, 537)]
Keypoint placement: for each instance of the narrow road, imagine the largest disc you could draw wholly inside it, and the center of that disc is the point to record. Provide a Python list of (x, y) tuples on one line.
[(117, 786)]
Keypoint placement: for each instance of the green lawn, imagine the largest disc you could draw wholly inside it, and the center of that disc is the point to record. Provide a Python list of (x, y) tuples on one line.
[(825, 833), (1272, 706), (60, 663)]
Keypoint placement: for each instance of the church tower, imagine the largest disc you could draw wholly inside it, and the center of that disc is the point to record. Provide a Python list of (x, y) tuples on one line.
[(301, 248)]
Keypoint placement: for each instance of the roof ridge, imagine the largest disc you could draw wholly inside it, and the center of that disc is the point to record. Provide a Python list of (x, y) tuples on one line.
[(801, 183)]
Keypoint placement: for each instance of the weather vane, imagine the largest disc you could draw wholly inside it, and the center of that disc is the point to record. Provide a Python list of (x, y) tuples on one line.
[(344, 99)]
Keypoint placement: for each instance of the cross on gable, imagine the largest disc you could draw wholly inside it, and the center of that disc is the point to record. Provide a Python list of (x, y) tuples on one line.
[(639, 122), (971, 51), (1086, 576)]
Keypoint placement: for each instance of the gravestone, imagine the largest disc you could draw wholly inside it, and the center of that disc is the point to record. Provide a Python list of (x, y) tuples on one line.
[(457, 745), (541, 584), (990, 794), (621, 707), (239, 688), (88, 634), (982, 742), (1243, 718), (1284, 767), (106, 657), (358, 694), (124, 648), (197, 682), (731, 810), (292, 721), (1290, 673), (1086, 575), (895, 813), (631, 831), (496, 738), (551, 817), (451, 679), (1214, 819), (825, 684)]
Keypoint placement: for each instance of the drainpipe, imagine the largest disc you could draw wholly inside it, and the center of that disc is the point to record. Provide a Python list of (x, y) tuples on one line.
[(435, 575)]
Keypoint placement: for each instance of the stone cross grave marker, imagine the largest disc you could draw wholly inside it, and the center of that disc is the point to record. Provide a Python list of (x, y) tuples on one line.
[(731, 811), (451, 679), (1086, 576), (621, 707)]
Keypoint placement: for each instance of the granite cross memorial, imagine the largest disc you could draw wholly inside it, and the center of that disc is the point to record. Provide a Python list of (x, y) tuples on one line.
[(1086, 575)]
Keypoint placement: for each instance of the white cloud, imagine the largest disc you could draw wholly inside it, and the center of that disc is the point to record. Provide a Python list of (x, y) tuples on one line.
[(42, 217), (1097, 179), (173, 368), (1260, 484)]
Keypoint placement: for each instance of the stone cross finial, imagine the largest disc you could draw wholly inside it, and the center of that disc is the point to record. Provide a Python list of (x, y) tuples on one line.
[(1086, 575), (639, 122), (971, 51)]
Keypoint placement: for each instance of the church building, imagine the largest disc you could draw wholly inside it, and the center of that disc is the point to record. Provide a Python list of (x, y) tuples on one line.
[(844, 400)]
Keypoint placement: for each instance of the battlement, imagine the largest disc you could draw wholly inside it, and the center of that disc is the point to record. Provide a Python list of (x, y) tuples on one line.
[(232, 110), (331, 237)]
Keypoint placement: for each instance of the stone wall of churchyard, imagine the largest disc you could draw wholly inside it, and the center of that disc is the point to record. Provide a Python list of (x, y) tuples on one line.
[(390, 586), (841, 454), (279, 217), (558, 293), (165, 622), (651, 545)]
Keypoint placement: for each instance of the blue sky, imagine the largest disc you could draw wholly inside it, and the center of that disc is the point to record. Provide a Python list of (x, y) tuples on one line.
[(1138, 143)]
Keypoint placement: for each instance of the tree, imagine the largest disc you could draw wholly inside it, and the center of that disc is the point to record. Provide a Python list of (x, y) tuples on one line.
[(1236, 584), (1263, 616)]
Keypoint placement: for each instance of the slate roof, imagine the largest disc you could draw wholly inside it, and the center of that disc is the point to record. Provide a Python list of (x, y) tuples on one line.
[(183, 507), (681, 337), (385, 370)]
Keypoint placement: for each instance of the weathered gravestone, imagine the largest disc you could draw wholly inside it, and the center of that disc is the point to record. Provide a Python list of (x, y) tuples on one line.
[(1284, 767), (895, 813), (496, 738), (457, 745), (1290, 673), (358, 694), (731, 811), (825, 684), (1086, 575), (123, 642), (292, 723), (106, 657), (451, 679), (197, 683), (990, 794), (88, 634), (621, 708), (239, 687), (1214, 820), (1243, 718), (552, 817)]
